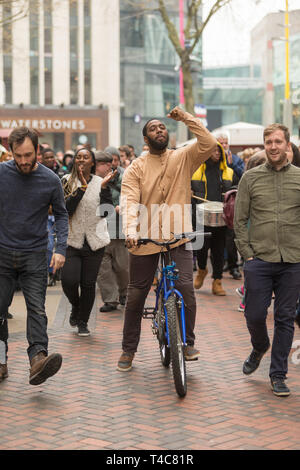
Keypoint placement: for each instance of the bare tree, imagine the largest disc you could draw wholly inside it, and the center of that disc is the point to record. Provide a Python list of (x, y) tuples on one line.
[(17, 9), (193, 30)]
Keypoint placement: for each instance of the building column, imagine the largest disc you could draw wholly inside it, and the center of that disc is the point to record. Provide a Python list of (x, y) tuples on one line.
[(21, 63), (41, 56), (80, 53), (105, 39), (61, 52)]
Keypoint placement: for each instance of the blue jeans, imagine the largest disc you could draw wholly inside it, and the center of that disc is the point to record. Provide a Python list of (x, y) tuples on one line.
[(261, 280), (51, 240), (30, 268)]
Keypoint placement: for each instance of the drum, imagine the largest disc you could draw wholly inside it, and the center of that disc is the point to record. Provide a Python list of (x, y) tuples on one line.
[(211, 214)]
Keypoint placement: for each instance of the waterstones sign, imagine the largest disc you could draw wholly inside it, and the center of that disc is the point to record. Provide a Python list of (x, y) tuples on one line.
[(50, 125)]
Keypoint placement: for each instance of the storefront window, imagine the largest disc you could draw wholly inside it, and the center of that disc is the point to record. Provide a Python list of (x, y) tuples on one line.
[(88, 138), (56, 140)]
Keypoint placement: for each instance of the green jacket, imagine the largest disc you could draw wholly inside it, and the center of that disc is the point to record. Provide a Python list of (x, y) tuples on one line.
[(115, 187), (115, 223), (270, 201)]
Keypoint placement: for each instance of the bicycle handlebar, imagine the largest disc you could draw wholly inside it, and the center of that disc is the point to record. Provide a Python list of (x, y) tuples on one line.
[(144, 241)]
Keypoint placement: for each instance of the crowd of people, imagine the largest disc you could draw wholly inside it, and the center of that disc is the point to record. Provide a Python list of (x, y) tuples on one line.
[(84, 205)]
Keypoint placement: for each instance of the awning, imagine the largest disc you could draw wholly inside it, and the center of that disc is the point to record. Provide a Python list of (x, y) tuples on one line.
[(5, 132)]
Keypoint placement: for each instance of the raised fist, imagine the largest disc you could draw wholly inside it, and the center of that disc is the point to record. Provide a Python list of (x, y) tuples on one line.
[(177, 114)]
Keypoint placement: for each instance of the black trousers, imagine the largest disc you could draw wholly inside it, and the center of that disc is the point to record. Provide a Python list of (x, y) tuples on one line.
[(261, 280), (79, 276), (216, 244)]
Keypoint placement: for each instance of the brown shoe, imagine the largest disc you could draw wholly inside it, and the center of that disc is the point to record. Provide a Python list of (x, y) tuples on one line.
[(125, 362), (199, 279), (217, 288), (3, 372), (191, 353), (43, 367)]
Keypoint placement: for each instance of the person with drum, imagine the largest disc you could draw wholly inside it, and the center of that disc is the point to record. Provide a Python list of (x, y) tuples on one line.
[(212, 179)]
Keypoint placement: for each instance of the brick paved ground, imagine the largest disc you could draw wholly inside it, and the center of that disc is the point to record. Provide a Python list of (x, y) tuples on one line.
[(90, 405)]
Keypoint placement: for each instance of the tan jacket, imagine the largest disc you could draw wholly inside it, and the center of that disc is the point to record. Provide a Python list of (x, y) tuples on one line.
[(156, 190)]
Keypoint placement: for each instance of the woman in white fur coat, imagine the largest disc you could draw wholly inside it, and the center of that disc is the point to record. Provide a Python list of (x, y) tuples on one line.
[(85, 193)]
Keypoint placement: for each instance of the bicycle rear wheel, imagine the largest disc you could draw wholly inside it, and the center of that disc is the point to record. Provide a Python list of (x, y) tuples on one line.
[(164, 349), (176, 346)]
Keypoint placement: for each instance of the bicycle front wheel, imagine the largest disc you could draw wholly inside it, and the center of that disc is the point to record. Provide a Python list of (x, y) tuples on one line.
[(176, 346), (162, 335)]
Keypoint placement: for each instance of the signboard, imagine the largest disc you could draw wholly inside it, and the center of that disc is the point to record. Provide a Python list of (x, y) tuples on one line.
[(50, 125), (201, 112)]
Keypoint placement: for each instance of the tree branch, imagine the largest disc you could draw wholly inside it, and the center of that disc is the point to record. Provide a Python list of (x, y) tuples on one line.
[(172, 31)]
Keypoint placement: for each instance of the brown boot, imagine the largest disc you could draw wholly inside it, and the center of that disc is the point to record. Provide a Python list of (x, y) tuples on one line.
[(217, 288), (43, 367), (3, 372), (199, 279)]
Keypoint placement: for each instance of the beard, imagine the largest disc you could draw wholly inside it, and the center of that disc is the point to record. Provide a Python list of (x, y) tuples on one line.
[(29, 167), (156, 145)]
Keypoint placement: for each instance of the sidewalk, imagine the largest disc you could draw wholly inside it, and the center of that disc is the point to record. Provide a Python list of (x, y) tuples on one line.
[(90, 405)]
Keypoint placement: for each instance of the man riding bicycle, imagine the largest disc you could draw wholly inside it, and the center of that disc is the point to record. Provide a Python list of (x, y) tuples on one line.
[(156, 190)]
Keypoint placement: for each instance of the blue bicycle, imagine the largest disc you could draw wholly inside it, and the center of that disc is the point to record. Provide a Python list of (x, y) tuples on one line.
[(168, 314)]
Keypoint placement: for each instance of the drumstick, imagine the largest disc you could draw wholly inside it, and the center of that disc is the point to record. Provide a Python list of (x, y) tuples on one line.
[(200, 199)]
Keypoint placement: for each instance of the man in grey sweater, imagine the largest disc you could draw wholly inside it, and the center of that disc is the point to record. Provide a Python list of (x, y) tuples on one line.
[(28, 190)]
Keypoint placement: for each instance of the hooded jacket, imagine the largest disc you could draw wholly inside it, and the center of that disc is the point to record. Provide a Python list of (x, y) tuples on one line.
[(212, 180)]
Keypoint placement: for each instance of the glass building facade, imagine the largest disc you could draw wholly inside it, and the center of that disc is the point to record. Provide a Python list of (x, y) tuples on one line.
[(149, 71), (279, 79), (233, 94)]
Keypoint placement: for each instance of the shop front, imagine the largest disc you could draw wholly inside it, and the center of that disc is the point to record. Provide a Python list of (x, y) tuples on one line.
[(62, 129)]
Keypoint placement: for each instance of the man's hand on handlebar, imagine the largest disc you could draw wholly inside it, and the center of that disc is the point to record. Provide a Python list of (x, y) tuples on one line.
[(131, 241)]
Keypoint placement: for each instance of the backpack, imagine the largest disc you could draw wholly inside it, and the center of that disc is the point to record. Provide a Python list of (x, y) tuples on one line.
[(228, 207)]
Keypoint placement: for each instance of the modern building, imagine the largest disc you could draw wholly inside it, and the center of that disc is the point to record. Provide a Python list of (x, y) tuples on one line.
[(233, 94), (59, 70), (88, 70), (149, 68), (268, 53)]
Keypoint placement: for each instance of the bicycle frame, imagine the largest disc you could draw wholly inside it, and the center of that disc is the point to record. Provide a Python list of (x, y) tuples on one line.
[(167, 284)]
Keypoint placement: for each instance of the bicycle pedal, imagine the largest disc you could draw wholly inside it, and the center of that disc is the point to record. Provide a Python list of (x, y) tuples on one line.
[(149, 313), (191, 360)]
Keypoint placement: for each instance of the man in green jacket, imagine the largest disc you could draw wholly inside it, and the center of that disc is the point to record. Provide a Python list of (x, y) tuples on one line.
[(267, 228)]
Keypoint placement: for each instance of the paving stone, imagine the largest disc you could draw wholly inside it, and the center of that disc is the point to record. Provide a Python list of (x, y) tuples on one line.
[(90, 405)]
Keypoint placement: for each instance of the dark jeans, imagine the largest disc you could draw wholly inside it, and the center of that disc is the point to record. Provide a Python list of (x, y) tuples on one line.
[(261, 280), (30, 269), (141, 273), (216, 244), (80, 271)]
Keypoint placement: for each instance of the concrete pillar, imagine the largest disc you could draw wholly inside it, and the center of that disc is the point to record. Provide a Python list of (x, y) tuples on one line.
[(106, 62), (21, 64), (61, 52), (41, 56), (80, 53)]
